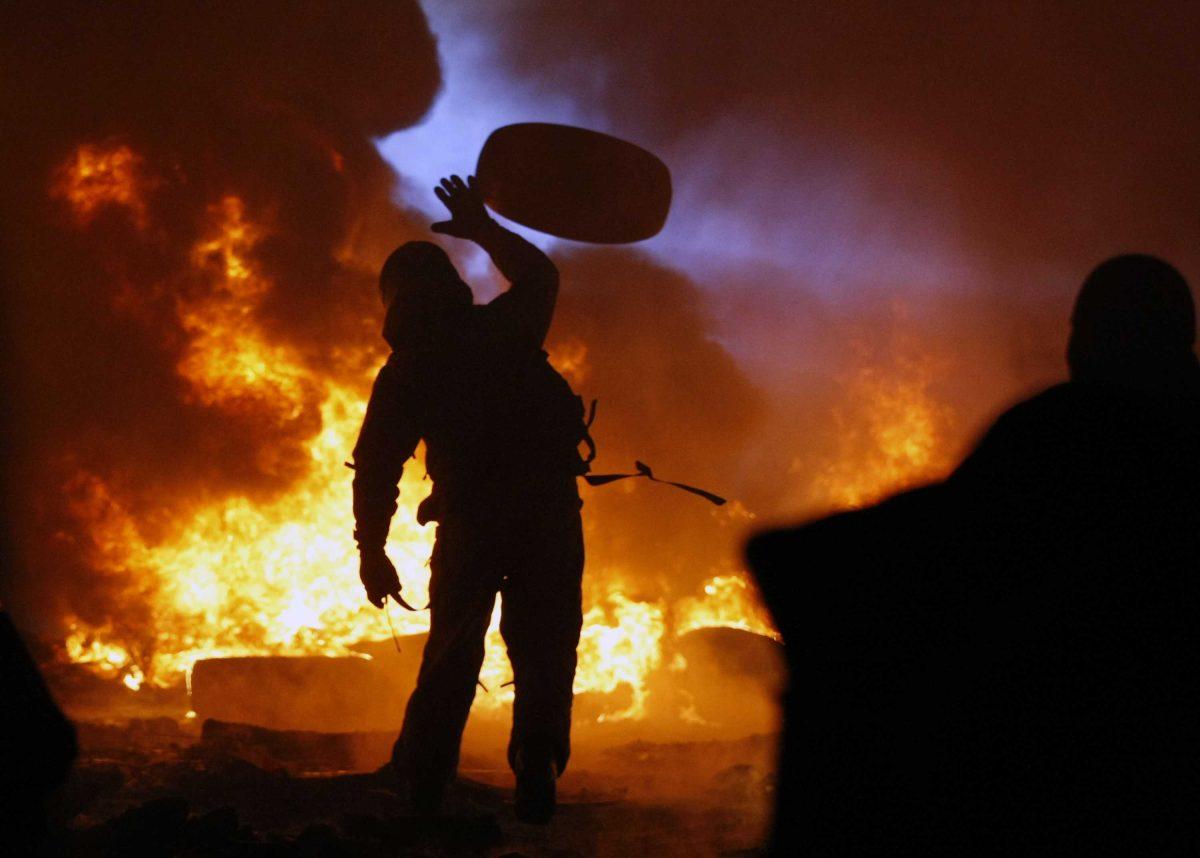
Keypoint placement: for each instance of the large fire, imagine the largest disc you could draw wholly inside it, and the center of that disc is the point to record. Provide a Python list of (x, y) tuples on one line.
[(892, 433), (236, 577)]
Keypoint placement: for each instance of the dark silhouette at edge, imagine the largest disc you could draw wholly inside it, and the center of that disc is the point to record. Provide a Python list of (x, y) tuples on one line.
[(37, 747), (1006, 661)]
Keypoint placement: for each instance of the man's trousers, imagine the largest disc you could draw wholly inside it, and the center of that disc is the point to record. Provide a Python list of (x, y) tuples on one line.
[(533, 557)]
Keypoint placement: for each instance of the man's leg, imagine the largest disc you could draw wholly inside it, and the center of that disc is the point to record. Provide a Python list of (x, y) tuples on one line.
[(542, 613), (461, 593)]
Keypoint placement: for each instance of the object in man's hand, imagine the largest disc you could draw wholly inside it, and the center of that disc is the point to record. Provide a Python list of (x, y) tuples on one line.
[(574, 183)]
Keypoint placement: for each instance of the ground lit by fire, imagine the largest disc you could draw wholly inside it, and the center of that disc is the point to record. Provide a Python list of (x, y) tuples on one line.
[(236, 577)]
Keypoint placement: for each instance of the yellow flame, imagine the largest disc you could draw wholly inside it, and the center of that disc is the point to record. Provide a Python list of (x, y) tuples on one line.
[(728, 601), (621, 644), (238, 577), (892, 434), (228, 360)]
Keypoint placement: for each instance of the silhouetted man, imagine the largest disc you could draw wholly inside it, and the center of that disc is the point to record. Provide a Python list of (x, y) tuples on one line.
[(501, 430), (1007, 662)]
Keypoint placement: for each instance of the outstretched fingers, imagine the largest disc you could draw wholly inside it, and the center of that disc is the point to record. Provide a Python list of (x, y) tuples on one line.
[(454, 186)]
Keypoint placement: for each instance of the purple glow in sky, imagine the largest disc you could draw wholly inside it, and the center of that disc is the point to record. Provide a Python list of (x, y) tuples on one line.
[(476, 98), (793, 205)]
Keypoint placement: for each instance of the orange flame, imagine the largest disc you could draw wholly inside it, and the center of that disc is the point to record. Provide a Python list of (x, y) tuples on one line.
[(240, 577), (99, 175), (728, 601), (244, 578), (891, 434)]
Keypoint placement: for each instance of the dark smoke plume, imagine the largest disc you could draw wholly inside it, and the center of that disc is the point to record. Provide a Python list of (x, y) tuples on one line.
[(968, 164), (277, 103), (1024, 142), (274, 102)]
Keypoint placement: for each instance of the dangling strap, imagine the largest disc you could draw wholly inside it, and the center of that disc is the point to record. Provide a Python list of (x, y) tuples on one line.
[(587, 433), (643, 470)]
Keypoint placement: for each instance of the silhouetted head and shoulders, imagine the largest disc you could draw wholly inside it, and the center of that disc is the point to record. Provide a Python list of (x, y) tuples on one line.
[(1086, 467), (426, 300), (431, 313), (1005, 657), (1130, 412), (431, 309)]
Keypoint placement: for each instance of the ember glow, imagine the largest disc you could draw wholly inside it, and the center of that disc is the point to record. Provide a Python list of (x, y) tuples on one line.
[(100, 175)]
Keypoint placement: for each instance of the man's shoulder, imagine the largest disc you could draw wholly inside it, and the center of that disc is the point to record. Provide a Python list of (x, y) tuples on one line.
[(1063, 403), (1069, 422), (1055, 397), (490, 317), (401, 377), (1081, 406), (1025, 431)]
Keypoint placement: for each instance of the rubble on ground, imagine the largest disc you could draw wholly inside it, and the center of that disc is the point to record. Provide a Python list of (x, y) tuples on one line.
[(157, 786)]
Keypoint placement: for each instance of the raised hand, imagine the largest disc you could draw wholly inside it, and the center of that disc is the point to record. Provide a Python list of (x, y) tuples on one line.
[(465, 203)]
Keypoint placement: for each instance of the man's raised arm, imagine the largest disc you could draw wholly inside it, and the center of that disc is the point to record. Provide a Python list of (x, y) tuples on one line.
[(534, 278)]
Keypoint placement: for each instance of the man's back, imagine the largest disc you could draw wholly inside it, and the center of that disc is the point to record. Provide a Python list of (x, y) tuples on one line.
[(495, 428), (471, 381), (1007, 661), (1084, 519)]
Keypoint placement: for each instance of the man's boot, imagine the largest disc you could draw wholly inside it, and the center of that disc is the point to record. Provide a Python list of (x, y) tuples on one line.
[(426, 792), (426, 798), (536, 773)]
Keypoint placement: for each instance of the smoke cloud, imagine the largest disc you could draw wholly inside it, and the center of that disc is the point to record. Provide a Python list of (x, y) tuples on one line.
[(234, 138), (668, 394), (888, 191), (882, 205), (183, 105)]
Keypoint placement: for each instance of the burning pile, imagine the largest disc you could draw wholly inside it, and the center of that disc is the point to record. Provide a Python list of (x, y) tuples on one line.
[(238, 577), (196, 330)]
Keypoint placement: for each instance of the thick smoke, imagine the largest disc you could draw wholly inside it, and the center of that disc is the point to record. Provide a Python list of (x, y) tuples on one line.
[(915, 193), (275, 102), (667, 394), (918, 181), (1055, 131)]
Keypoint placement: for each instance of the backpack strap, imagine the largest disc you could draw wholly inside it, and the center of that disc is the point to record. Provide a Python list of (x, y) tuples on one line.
[(643, 470), (587, 433)]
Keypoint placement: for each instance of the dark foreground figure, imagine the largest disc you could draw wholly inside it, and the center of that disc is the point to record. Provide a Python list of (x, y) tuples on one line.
[(1007, 663), (37, 747), (501, 430)]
